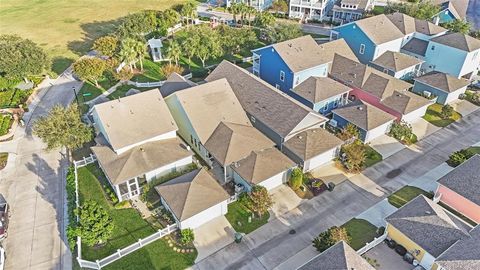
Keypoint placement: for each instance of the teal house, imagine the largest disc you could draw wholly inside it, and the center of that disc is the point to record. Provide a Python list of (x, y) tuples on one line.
[(443, 86)]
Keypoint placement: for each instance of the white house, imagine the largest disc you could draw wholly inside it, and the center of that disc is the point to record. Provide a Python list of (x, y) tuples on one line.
[(131, 132), (193, 198)]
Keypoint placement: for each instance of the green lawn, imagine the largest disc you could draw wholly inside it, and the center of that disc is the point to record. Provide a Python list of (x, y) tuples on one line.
[(433, 116), (372, 156), (151, 72), (378, 10), (12, 98), (361, 232), (129, 227), (469, 95), (475, 149), (406, 194), (237, 213), (88, 88), (6, 121)]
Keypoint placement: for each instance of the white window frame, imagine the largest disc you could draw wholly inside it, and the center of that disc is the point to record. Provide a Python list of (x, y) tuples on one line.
[(335, 103), (252, 119), (362, 49), (277, 86), (325, 107), (282, 75)]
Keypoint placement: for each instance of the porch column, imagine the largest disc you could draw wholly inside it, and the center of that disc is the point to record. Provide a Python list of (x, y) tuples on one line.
[(138, 186), (117, 191)]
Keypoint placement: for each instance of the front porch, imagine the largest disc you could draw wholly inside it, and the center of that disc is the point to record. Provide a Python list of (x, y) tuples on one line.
[(346, 16), (306, 13)]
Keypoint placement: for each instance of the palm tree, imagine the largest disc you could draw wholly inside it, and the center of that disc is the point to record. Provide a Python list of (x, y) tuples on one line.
[(250, 11), (242, 8), (174, 51), (235, 10), (127, 52), (140, 49)]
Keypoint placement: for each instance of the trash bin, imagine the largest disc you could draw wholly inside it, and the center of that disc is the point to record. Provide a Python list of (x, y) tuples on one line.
[(331, 186), (238, 237)]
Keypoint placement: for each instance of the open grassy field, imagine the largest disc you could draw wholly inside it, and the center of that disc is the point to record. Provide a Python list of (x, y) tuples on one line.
[(67, 28)]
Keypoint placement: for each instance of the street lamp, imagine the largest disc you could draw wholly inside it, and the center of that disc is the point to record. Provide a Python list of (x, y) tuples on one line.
[(76, 97)]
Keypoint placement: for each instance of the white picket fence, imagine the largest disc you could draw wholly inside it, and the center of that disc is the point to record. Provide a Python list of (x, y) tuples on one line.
[(232, 198), (157, 84), (98, 264), (372, 244)]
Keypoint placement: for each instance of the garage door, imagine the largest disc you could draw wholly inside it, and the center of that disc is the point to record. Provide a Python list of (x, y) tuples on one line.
[(205, 216), (378, 131), (415, 115), (320, 160), (275, 181), (454, 95)]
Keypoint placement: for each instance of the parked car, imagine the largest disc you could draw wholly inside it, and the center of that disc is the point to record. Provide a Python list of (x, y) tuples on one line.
[(4, 214), (391, 243), (401, 250)]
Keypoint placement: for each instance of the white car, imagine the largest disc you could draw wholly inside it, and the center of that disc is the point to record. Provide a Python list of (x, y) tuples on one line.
[(2, 258)]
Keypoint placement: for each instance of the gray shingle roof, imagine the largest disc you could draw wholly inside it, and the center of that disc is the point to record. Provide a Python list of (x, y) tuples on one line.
[(396, 61), (409, 25), (457, 7), (312, 142), (191, 193), (405, 102), (459, 41), (364, 115), (338, 257), (465, 179), (443, 81), (174, 83), (464, 254), (273, 108), (428, 225), (416, 46), (317, 89), (379, 29)]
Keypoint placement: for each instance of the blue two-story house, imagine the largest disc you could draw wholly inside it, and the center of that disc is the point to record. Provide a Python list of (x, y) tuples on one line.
[(322, 94), (286, 64)]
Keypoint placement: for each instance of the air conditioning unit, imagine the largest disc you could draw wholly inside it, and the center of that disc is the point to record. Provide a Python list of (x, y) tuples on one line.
[(427, 94), (333, 123)]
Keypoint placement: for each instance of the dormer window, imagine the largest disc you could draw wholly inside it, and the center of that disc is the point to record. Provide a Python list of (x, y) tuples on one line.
[(362, 49), (282, 75)]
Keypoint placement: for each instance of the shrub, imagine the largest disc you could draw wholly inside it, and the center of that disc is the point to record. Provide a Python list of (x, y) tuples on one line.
[(354, 156), (95, 225), (296, 179), (330, 237), (458, 157), (171, 68), (187, 236), (125, 74), (122, 205), (402, 131), (348, 132), (447, 111), (259, 200)]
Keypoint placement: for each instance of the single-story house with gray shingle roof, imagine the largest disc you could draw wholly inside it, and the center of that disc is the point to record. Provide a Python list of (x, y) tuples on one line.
[(463, 255), (312, 148), (460, 189), (193, 198), (268, 168), (370, 121), (337, 257), (444, 86), (425, 229), (397, 64)]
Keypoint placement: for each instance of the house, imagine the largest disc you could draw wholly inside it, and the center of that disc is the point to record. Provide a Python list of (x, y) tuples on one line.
[(415, 28), (175, 82), (441, 85), (312, 148), (370, 121), (455, 54), (322, 94), (193, 198), (155, 45), (460, 189), (379, 89), (398, 65), (257, 4), (425, 229), (131, 132), (200, 109), (450, 10), (274, 113), (464, 254), (286, 64), (268, 168), (338, 256), (232, 142), (315, 10), (370, 37), (345, 11)]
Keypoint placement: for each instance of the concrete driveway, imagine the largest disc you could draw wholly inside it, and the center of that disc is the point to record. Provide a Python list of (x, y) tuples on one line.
[(330, 173), (464, 107), (428, 181), (284, 200), (377, 213), (386, 145), (422, 128), (213, 236), (387, 259)]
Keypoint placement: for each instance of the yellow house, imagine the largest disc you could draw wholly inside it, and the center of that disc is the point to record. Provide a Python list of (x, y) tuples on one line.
[(425, 230)]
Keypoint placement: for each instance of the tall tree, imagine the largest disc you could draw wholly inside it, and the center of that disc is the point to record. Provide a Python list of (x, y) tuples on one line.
[(174, 51), (235, 10), (210, 45), (279, 6), (460, 26), (128, 52), (95, 225), (89, 69), (188, 11), (138, 24), (284, 31), (62, 127), (259, 200), (140, 49), (20, 57), (106, 45), (190, 44), (264, 19)]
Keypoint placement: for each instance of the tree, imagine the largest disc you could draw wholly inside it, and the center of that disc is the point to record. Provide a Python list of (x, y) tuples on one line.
[(235, 10), (174, 51), (138, 24), (279, 6), (124, 74), (106, 45), (187, 236), (128, 53), (264, 19), (447, 111), (210, 45), (348, 132), (284, 31), (140, 49), (190, 45), (89, 69), (259, 200), (95, 225), (188, 11), (460, 26), (296, 178), (63, 127), (424, 10), (20, 57), (171, 68), (249, 11), (401, 130), (354, 156), (330, 237)]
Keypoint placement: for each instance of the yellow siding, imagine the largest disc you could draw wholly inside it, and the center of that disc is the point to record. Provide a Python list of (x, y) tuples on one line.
[(403, 240), (434, 266)]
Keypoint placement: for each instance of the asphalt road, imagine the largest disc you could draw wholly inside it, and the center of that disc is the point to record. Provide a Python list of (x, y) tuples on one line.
[(35, 190)]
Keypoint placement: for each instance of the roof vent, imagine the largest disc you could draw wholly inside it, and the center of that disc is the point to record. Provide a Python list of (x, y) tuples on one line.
[(300, 137), (131, 112), (428, 212), (355, 75), (360, 108), (141, 149)]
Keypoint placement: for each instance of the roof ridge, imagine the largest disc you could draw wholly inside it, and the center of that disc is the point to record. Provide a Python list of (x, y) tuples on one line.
[(189, 183)]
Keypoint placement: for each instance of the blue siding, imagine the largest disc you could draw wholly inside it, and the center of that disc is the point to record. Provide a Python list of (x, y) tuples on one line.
[(354, 37), (443, 58), (419, 87), (270, 66), (342, 122)]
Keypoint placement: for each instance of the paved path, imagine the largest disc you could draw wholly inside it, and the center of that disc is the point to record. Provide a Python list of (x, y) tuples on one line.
[(271, 246), (34, 188)]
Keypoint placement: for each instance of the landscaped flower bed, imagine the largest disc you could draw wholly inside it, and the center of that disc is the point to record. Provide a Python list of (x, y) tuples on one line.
[(317, 186)]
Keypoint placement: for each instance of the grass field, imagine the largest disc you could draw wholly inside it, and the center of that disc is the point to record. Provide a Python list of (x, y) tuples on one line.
[(361, 232), (238, 217), (433, 116), (406, 194), (67, 28)]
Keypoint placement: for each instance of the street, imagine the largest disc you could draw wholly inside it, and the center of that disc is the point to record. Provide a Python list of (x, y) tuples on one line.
[(33, 184)]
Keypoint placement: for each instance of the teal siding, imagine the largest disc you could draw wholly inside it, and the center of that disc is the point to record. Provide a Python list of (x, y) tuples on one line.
[(419, 87)]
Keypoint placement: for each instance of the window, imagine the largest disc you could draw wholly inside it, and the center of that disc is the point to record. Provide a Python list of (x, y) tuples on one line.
[(191, 139), (282, 75), (252, 118), (433, 47), (362, 48), (335, 103), (325, 107)]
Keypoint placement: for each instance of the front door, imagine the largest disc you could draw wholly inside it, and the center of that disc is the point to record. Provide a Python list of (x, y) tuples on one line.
[(133, 186)]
